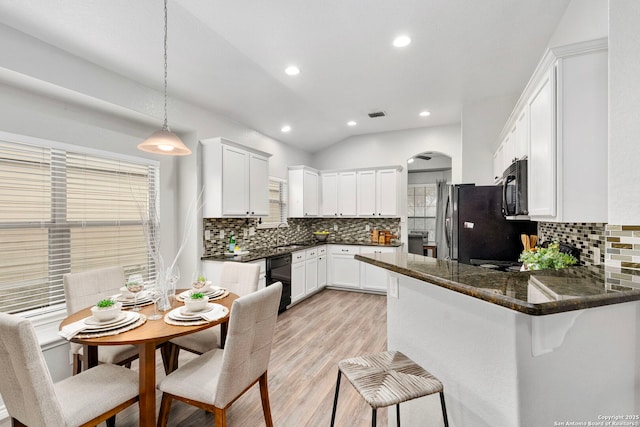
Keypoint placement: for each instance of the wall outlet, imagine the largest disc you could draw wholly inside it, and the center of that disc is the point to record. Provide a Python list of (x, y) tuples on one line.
[(393, 286), (207, 234), (596, 256), (252, 231), (298, 229), (221, 234), (335, 227), (245, 233), (367, 227)]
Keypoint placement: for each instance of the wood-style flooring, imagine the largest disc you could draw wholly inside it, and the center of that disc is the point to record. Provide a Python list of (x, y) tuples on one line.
[(310, 339)]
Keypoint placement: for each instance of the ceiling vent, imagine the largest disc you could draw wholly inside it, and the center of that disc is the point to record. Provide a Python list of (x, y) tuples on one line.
[(377, 114)]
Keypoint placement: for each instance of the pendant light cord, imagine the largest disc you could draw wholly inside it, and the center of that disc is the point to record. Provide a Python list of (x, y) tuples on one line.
[(166, 125)]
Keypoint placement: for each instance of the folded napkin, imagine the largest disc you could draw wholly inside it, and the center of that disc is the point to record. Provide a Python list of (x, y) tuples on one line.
[(214, 314), (72, 329)]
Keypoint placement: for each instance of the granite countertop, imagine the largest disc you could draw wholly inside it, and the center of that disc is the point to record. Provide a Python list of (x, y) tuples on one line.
[(531, 292), (256, 254)]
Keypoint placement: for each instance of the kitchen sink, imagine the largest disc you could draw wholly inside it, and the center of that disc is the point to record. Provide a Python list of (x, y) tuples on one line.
[(291, 247)]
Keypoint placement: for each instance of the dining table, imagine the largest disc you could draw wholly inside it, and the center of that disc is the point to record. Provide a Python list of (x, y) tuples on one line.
[(147, 337)]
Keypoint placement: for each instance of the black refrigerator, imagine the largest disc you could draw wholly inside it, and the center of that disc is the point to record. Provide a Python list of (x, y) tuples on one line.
[(475, 228)]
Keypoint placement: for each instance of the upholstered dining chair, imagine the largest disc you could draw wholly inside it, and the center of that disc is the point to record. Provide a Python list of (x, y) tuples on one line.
[(214, 380), (31, 397), (86, 288), (239, 278)]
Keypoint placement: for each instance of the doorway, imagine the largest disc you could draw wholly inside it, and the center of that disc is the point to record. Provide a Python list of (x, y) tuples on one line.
[(424, 171)]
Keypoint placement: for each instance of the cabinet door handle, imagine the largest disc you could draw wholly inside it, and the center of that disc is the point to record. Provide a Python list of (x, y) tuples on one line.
[(336, 214), (345, 250)]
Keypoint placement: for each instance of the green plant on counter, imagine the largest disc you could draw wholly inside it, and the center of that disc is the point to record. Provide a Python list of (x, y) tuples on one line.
[(105, 303), (546, 258)]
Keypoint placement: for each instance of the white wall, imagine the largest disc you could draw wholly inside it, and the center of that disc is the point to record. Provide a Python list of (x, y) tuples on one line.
[(428, 177), (583, 20), (624, 112), (482, 122)]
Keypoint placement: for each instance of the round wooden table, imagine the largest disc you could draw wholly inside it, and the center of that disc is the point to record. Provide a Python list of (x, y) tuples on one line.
[(147, 337)]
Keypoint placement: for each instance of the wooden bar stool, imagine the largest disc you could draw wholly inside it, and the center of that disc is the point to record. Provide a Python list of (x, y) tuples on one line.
[(388, 378)]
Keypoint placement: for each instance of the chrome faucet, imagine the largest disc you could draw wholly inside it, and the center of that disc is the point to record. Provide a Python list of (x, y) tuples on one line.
[(278, 234)]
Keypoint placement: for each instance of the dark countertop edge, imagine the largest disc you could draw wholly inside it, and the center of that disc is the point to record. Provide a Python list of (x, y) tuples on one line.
[(267, 252), (542, 309)]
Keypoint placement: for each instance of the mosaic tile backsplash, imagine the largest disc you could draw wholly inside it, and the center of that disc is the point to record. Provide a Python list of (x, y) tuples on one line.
[(351, 230), (622, 264), (588, 237)]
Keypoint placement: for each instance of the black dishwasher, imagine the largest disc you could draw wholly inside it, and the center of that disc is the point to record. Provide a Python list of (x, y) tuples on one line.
[(279, 270)]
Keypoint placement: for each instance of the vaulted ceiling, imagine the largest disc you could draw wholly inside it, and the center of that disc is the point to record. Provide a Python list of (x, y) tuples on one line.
[(229, 56)]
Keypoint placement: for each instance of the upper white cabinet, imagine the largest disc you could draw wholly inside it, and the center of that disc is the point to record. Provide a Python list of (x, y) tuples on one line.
[(339, 192), (303, 192), (379, 192), (235, 179), (561, 122)]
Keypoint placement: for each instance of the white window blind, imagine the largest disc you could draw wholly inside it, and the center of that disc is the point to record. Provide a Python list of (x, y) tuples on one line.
[(64, 211), (277, 203)]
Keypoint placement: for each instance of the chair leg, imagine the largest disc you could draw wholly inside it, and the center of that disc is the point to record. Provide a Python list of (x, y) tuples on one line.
[(221, 417), (165, 407), (111, 421), (374, 418), (127, 365), (77, 364), (264, 395), (444, 410), (335, 399), (166, 352), (398, 415), (16, 423)]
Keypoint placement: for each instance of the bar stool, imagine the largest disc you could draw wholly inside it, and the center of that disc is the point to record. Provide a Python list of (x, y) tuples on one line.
[(388, 378)]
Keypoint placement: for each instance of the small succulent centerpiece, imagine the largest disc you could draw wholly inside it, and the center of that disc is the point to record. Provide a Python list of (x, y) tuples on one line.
[(197, 301), (546, 258), (106, 309)]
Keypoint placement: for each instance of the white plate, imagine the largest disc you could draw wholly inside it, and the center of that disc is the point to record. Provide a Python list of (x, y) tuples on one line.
[(128, 318), (175, 314), (95, 322), (212, 293)]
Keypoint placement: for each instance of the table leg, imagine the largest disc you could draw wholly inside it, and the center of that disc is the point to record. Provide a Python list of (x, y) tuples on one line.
[(90, 356), (147, 380)]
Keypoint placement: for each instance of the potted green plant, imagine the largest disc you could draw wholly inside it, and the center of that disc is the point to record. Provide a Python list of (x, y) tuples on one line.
[(546, 258), (196, 301), (106, 309)]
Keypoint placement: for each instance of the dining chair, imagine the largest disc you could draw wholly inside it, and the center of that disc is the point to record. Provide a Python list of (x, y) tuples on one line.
[(214, 380), (31, 397), (86, 288), (238, 278)]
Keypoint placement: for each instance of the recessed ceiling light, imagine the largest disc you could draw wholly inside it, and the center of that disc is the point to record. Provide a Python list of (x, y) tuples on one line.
[(351, 123), (292, 70), (285, 128), (425, 114), (410, 160), (402, 41)]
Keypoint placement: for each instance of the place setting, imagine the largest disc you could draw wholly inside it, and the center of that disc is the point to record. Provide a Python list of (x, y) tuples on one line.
[(107, 319), (204, 286), (197, 309)]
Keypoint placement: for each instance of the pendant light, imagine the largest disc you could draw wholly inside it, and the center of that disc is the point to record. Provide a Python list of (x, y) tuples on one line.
[(164, 141)]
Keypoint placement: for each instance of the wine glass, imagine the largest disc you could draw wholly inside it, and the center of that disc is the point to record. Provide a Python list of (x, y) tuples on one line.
[(135, 286), (155, 295), (198, 281)]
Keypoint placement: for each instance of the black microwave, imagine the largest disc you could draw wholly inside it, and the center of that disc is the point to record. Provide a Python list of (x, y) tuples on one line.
[(514, 189)]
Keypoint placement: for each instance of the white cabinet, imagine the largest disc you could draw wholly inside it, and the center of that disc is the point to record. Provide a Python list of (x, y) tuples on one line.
[(371, 277), (378, 192), (497, 165), (560, 122), (322, 266), (235, 180), (542, 157), (339, 191), (298, 276), (311, 271), (303, 192), (345, 270)]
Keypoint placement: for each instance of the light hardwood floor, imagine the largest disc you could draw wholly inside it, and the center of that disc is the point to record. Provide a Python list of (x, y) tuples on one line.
[(310, 339)]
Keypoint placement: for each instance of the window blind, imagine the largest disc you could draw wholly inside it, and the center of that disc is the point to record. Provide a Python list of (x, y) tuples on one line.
[(277, 203), (63, 211)]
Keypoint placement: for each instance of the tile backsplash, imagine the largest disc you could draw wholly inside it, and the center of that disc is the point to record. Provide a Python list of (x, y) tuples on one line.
[(588, 237), (622, 264), (298, 230)]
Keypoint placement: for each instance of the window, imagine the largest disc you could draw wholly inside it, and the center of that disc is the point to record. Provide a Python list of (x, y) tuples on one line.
[(64, 211), (277, 203)]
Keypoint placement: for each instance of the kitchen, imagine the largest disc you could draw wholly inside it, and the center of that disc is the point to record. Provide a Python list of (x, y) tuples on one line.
[(73, 99)]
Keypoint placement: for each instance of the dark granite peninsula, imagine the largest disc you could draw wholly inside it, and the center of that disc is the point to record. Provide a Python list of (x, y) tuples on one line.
[(514, 349)]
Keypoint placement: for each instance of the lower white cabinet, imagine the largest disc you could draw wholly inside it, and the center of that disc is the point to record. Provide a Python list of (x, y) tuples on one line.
[(322, 266), (374, 278), (298, 276), (311, 271), (345, 270)]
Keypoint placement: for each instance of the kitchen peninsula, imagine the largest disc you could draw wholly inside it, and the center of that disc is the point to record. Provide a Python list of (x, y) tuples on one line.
[(515, 349)]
